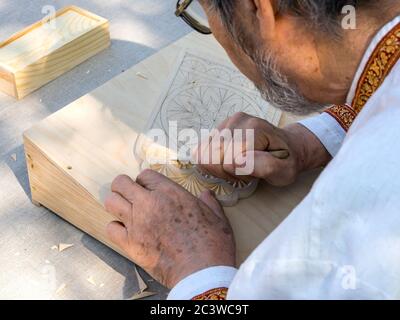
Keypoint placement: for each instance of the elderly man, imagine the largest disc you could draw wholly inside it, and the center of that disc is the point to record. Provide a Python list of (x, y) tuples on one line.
[(343, 240)]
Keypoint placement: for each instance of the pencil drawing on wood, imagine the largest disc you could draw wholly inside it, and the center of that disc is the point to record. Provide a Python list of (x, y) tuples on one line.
[(201, 94)]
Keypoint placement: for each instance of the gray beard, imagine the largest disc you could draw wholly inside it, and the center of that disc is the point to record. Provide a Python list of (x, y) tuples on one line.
[(277, 90)]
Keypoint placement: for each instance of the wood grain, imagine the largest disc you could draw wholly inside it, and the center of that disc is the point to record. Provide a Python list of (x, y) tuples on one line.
[(50, 185), (46, 50), (78, 151)]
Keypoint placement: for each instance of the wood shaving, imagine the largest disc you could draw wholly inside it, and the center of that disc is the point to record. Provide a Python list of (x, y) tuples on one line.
[(91, 280), (141, 295), (101, 285), (14, 156), (142, 285), (64, 246), (54, 248), (141, 75), (61, 288)]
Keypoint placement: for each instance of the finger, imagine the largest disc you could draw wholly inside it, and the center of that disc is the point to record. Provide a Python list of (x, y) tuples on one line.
[(235, 121), (208, 197), (212, 157), (152, 180), (217, 171), (127, 188), (266, 166), (118, 206), (218, 151), (237, 175), (212, 151), (209, 150), (118, 234), (234, 150), (280, 154)]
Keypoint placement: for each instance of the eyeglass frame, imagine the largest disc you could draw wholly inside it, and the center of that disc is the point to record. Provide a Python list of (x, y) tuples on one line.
[(192, 22)]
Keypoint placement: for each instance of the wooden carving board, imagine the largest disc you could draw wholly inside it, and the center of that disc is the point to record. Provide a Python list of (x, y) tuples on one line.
[(47, 49), (201, 93), (73, 155)]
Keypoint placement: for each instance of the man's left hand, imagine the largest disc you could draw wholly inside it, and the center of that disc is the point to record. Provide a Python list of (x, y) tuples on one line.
[(166, 230)]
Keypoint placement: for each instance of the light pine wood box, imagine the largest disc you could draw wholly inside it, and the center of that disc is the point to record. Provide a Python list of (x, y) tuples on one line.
[(45, 50), (73, 155)]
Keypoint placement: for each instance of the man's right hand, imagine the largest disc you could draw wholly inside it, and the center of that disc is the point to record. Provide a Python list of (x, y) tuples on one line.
[(305, 152)]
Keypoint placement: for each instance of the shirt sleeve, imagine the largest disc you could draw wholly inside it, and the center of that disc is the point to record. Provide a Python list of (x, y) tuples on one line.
[(205, 282), (328, 130)]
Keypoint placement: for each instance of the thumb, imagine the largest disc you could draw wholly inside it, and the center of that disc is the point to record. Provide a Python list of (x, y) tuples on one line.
[(261, 163), (208, 197), (118, 234)]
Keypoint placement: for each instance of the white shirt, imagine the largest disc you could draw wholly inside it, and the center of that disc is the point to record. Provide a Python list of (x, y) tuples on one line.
[(343, 240)]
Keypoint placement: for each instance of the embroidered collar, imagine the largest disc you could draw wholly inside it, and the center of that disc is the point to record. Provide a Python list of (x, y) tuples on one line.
[(378, 61)]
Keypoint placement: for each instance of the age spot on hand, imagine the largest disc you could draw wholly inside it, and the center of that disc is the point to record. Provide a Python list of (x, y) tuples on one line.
[(177, 220)]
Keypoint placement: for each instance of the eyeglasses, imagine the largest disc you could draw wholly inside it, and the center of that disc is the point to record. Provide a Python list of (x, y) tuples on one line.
[(193, 14)]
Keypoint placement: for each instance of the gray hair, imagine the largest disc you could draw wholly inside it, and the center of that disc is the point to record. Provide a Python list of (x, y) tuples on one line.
[(321, 15), (278, 91)]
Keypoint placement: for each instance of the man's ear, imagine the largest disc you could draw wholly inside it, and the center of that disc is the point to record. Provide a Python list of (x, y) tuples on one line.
[(266, 18)]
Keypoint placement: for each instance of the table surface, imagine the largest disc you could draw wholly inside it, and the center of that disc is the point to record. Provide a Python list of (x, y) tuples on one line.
[(31, 269)]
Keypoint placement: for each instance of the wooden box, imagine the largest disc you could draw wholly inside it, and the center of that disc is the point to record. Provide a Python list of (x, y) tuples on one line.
[(74, 155), (47, 49)]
